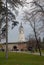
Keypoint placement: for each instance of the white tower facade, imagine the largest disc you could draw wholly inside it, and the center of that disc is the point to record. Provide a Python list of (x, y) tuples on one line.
[(21, 33)]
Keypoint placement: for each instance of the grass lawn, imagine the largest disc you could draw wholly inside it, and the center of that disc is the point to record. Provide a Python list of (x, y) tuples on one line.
[(42, 51), (21, 59)]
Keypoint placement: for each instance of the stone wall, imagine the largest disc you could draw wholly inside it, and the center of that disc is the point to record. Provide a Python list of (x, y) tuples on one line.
[(20, 46)]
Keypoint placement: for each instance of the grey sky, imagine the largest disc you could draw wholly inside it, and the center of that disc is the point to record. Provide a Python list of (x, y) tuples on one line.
[(13, 35)]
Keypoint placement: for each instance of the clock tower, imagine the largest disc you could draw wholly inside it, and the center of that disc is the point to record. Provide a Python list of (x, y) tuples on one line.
[(21, 33)]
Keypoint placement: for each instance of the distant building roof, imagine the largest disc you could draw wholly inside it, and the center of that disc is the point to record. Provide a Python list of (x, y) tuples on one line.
[(16, 43)]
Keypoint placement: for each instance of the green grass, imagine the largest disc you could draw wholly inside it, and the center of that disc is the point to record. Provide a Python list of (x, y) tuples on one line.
[(42, 51), (21, 59)]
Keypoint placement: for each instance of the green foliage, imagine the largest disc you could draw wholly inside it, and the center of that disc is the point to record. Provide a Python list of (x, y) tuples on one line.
[(10, 15), (12, 4), (21, 59)]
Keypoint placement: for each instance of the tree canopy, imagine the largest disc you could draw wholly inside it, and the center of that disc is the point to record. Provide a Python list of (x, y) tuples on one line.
[(11, 5)]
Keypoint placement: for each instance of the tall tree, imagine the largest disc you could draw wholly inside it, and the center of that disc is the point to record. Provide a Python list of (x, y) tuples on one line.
[(13, 3), (36, 14), (5, 13), (0, 18), (35, 24)]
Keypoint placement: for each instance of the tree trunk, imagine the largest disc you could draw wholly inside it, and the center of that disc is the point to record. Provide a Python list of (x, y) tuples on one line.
[(37, 43), (0, 31), (6, 32)]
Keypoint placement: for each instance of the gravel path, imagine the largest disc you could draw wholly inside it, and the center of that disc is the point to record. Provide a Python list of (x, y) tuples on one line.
[(28, 52)]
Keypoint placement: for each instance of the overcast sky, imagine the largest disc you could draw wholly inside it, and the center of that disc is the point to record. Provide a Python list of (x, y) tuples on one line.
[(13, 35)]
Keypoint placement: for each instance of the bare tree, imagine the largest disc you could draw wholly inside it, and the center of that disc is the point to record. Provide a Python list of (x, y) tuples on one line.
[(35, 23), (37, 6), (35, 15)]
